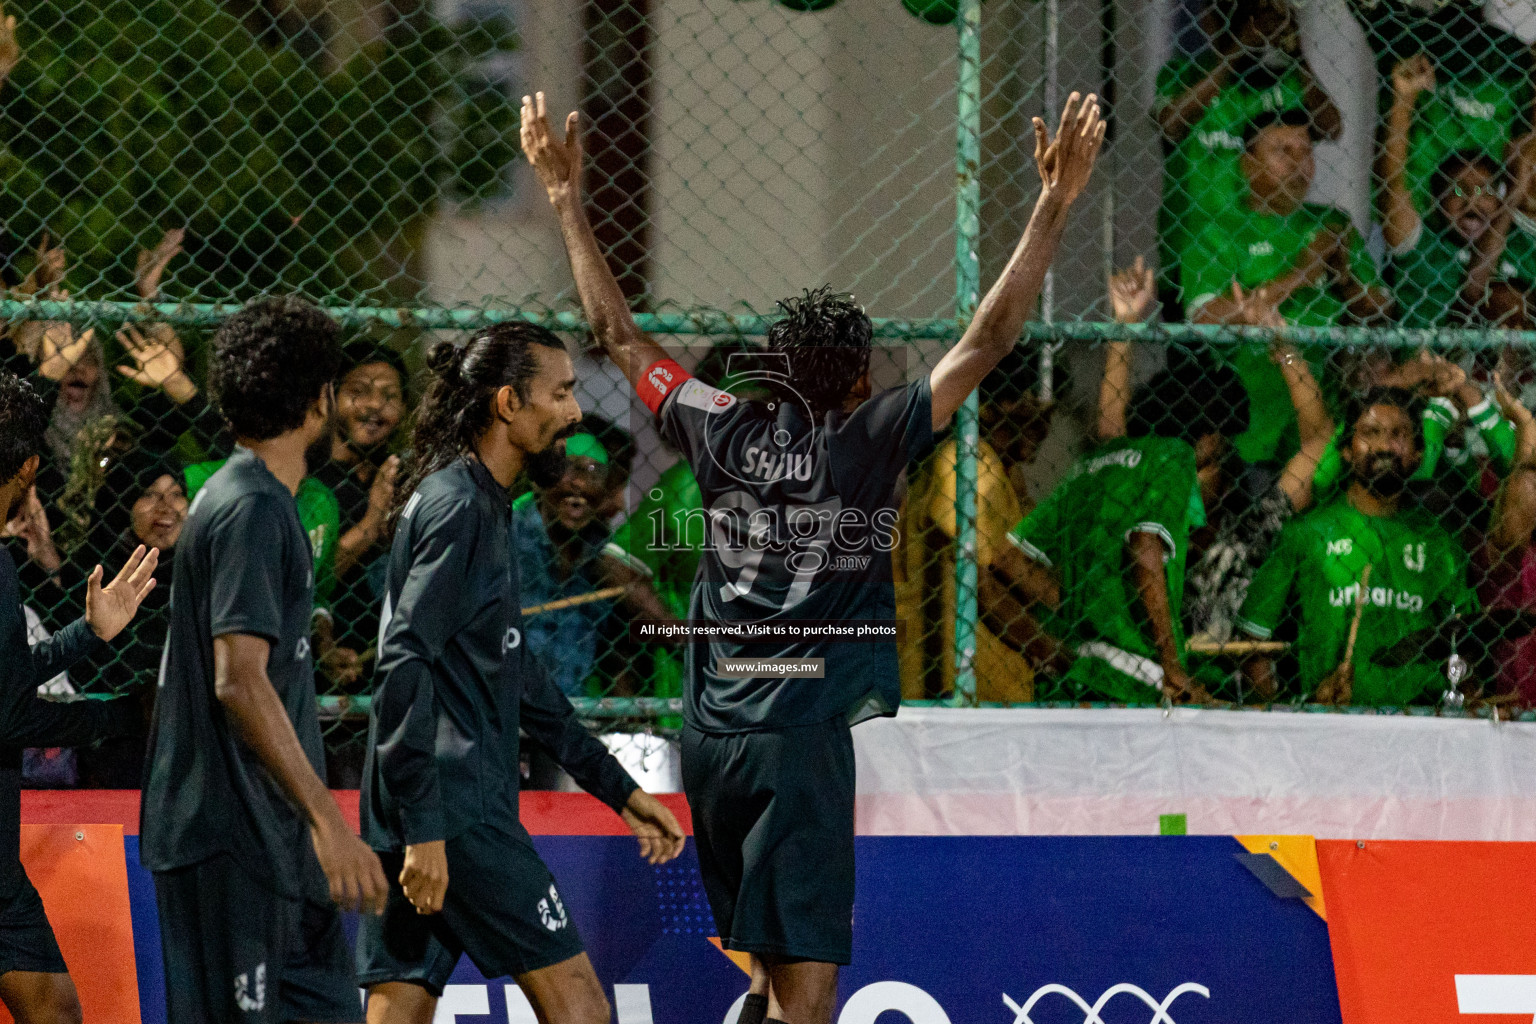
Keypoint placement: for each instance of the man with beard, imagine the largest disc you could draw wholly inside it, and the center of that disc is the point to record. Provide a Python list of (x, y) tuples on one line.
[(34, 981), (249, 851), (457, 689), (562, 546), (1418, 570)]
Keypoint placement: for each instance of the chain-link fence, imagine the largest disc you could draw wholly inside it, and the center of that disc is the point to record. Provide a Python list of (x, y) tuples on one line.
[(1350, 178)]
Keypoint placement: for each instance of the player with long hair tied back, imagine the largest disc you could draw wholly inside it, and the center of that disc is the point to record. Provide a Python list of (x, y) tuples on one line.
[(440, 787)]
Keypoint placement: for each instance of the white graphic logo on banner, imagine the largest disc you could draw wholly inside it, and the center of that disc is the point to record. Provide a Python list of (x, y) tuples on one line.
[(1160, 1013), (1496, 993)]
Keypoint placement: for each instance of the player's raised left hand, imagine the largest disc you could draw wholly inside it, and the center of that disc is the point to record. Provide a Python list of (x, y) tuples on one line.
[(557, 163), (108, 609), (1066, 162), (661, 837)]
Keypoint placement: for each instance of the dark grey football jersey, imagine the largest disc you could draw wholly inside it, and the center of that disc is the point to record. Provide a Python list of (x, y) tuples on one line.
[(801, 516), (243, 565)]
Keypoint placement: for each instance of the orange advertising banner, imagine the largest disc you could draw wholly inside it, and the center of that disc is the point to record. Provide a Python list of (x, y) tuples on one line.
[(1432, 932), (80, 872)]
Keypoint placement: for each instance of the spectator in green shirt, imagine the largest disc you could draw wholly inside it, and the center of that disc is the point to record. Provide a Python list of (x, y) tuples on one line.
[(1418, 572), (1483, 95), (1447, 263), (1254, 65), (1275, 252), (1102, 557)]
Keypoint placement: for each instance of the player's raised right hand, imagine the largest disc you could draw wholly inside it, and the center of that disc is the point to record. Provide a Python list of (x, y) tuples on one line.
[(352, 869), (1066, 162)]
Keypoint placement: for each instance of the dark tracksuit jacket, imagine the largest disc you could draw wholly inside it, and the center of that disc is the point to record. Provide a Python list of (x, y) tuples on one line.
[(457, 680)]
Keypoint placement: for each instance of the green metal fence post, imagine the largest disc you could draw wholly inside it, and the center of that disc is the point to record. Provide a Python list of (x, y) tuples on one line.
[(967, 295)]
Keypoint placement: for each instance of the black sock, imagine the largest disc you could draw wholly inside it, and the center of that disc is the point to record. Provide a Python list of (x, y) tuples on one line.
[(753, 1010)]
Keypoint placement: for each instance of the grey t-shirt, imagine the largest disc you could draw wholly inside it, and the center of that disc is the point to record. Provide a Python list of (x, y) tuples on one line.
[(243, 565)]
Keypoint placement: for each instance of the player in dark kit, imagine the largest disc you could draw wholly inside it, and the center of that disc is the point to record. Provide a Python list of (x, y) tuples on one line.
[(34, 982), (440, 790), (800, 497), (250, 853)]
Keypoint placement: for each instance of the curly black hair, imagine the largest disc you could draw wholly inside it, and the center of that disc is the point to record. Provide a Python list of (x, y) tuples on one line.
[(363, 351), (23, 421), (826, 336), (270, 363)]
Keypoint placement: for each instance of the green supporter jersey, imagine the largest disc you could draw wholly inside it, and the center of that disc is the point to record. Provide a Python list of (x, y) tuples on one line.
[(1202, 174), (1418, 577), (1253, 248), (1477, 111), (663, 537), (662, 540), (1431, 271), (1482, 92), (1520, 250), (319, 514), (1081, 530)]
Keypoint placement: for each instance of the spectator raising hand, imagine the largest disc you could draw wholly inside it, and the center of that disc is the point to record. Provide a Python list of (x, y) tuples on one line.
[(60, 349), (10, 48), (1131, 293), (1258, 308), (1413, 77), (31, 527), (48, 269), (152, 263), (159, 360)]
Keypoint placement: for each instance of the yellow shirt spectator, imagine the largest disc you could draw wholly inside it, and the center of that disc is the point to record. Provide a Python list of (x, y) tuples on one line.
[(925, 579)]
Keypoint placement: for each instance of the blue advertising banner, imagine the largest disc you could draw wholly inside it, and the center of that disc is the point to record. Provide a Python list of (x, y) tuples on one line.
[(1011, 930)]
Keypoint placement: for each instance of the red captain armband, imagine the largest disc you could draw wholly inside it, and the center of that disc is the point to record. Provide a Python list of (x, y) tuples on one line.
[(658, 381)]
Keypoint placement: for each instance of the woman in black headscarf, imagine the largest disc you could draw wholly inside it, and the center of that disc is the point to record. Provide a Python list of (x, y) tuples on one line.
[(142, 500)]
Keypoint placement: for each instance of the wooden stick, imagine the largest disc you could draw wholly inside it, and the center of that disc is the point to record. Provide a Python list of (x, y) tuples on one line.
[(1354, 625), (570, 602), (368, 655), (1236, 647)]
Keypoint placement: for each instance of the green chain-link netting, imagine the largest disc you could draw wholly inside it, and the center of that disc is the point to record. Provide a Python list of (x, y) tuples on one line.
[(1359, 170)]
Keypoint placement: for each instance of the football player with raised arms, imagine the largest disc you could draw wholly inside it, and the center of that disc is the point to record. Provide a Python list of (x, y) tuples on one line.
[(800, 495)]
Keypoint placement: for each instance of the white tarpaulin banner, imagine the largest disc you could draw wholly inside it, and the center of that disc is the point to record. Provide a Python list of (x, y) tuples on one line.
[(1108, 771)]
